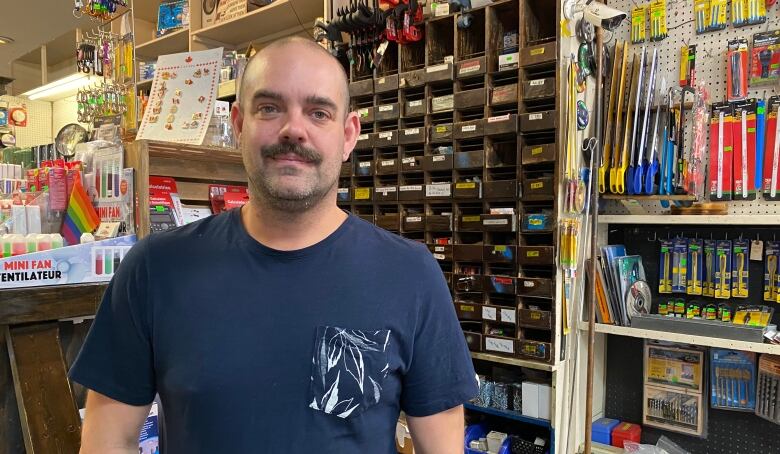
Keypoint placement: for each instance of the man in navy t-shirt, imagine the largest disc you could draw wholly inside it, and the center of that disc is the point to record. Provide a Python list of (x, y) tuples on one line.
[(288, 326)]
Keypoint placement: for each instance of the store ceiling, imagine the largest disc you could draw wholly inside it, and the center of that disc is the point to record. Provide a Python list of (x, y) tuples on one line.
[(32, 23)]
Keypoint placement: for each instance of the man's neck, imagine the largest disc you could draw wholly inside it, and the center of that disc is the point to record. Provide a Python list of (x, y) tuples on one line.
[(290, 231)]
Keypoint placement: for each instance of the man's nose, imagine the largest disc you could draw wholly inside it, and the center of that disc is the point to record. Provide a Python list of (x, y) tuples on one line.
[(294, 128)]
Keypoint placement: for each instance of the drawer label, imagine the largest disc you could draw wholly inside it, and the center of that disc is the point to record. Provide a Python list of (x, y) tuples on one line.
[(438, 256), (508, 316), (386, 108), (536, 83), (469, 185), (386, 135), (469, 67), (537, 185), (471, 218), (532, 254), (536, 150), (362, 193), (535, 222), (489, 313), (386, 189), (365, 164), (495, 222), (499, 345), (410, 188), (363, 137), (498, 118), (438, 190), (363, 113), (409, 132), (417, 103), (502, 280), (413, 219), (468, 128), (439, 158), (441, 129), (438, 248), (342, 190), (440, 67), (499, 248), (536, 116), (535, 315), (529, 284), (538, 51), (388, 162)]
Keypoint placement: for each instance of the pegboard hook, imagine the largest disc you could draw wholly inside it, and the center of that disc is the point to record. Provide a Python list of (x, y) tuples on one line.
[(654, 238)]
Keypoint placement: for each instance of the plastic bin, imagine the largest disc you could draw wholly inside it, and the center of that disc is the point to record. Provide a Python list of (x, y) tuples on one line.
[(477, 431)]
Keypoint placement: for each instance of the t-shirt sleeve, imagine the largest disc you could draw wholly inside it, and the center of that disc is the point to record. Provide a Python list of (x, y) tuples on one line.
[(116, 359), (440, 375)]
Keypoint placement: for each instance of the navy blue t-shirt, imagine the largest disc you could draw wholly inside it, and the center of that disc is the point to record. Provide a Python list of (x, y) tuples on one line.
[(258, 350)]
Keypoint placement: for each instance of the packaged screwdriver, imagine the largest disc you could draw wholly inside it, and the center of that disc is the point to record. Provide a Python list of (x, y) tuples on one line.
[(701, 16), (723, 270), (658, 29), (739, 13), (743, 131), (665, 272), (717, 15), (695, 266), (771, 171), (680, 265), (732, 379), (708, 286), (638, 19), (771, 256), (740, 265), (721, 147)]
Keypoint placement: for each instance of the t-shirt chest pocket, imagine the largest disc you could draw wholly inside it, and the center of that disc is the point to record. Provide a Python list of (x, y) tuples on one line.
[(349, 368)]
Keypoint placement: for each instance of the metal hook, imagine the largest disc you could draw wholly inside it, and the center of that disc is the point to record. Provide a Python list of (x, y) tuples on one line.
[(655, 237)]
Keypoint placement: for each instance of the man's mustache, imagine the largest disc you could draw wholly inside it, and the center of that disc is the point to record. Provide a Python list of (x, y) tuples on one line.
[(280, 149)]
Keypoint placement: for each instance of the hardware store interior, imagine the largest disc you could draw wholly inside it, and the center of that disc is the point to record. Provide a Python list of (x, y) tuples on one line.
[(598, 183)]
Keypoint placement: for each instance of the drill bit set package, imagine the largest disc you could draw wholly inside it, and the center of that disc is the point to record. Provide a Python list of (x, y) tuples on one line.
[(732, 379), (768, 388), (709, 15), (771, 282)]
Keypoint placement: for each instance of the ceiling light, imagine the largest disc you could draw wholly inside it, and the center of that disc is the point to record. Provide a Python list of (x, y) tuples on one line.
[(6, 40), (59, 89)]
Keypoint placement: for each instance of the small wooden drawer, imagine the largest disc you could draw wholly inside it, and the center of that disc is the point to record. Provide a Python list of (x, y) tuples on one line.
[(499, 222), (441, 252), (386, 166), (539, 154), (437, 162), (386, 139), (541, 188), (411, 135), (389, 221), (501, 157), (536, 287), (361, 87), (362, 194), (364, 168), (366, 114), (442, 103), (415, 108), (502, 285), (413, 223), (535, 255), (468, 129), (538, 88), (467, 252), (412, 79), (364, 142), (537, 222), (438, 223), (467, 190), (499, 344), (466, 283), (538, 121), (386, 194), (502, 124), (438, 73), (470, 223), (441, 133), (387, 112), (471, 67), (499, 254), (343, 195), (534, 318), (386, 83), (438, 191), (346, 169), (501, 189), (539, 54), (367, 217), (470, 98), (469, 159), (473, 340), (534, 350), (411, 164), (411, 193), (503, 94)]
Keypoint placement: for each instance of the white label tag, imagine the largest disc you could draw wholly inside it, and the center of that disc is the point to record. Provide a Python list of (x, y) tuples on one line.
[(380, 81), (499, 345), (410, 188), (469, 67), (438, 248), (386, 135), (442, 9), (364, 164), (343, 190), (438, 190), (385, 190), (756, 250), (407, 160), (498, 118), (438, 256), (449, 59), (495, 221), (439, 158), (489, 313), (529, 284), (536, 116), (468, 128), (363, 137), (508, 315), (386, 108), (413, 219), (363, 112), (441, 67), (417, 103), (536, 83), (388, 163), (411, 131)]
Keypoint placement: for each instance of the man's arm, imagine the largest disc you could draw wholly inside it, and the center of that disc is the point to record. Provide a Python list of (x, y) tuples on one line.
[(110, 426), (439, 433)]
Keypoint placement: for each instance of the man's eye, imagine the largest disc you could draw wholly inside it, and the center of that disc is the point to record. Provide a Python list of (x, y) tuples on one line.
[(266, 109), (320, 115)]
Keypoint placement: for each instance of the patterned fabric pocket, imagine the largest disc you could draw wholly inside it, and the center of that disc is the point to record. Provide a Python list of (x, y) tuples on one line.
[(348, 370)]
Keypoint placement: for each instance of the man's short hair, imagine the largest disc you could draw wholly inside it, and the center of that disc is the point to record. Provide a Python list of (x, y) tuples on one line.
[(309, 44)]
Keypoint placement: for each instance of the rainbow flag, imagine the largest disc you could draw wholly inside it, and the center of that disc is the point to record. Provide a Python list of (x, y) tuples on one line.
[(81, 216)]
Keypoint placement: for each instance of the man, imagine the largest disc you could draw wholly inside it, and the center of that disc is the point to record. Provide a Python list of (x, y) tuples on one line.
[(288, 326)]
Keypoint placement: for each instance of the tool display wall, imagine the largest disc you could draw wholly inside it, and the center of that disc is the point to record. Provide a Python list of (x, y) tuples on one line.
[(458, 150)]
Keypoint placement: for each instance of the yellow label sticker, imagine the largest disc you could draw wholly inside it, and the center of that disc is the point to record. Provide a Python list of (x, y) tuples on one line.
[(470, 218), (537, 185), (499, 248), (532, 254), (441, 129), (536, 150), (535, 222), (465, 185), (536, 315), (466, 308), (362, 193), (538, 51)]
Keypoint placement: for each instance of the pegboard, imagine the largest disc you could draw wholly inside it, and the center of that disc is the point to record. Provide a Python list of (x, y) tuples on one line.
[(39, 117), (710, 67)]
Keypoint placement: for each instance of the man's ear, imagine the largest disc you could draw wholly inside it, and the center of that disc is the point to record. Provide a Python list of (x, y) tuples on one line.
[(351, 133), (237, 120)]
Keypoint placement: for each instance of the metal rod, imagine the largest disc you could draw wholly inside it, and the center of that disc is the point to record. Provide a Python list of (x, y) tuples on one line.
[(594, 213)]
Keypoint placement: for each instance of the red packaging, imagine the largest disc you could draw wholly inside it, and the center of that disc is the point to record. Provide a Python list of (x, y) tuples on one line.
[(743, 130), (235, 200), (772, 152), (626, 431), (217, 193), (33, 183), (720, 174), (58, 189)]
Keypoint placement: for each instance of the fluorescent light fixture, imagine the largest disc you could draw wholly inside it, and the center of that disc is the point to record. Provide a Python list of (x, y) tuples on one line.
[(59, 89)]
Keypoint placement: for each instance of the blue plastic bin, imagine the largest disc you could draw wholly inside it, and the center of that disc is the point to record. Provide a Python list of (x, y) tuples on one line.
[(602, 430), (477, 431)]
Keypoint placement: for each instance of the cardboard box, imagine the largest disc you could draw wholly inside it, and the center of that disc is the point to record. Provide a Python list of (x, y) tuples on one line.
[(501, 124), (539, 88), (364, 142), (538, 121), (469, 129), (386, 139)]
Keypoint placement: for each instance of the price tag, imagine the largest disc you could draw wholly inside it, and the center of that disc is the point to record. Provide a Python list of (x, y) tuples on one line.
[(756, 250)]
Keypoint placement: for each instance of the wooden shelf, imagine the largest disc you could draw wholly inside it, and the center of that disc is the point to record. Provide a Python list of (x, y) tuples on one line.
[(38, 304), (686, 338), (508, 414), (691, 219), (280, 17), (513, 361), (172, 43), (677, 197)]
